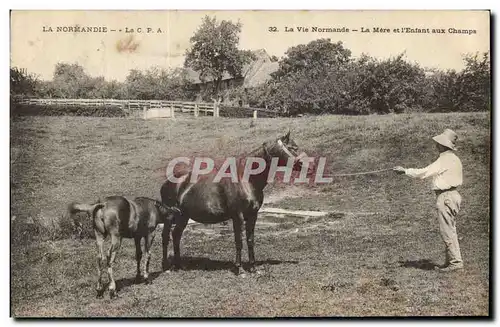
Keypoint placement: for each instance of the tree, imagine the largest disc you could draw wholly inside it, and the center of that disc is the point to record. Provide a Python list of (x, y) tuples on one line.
[(465, 90), (475, 86), (114, 90), (319, 55), (310, 78), (390, 85), (442, 91), (46, 89), (214, 51), (158, 84), (70, 81), (22, 83)]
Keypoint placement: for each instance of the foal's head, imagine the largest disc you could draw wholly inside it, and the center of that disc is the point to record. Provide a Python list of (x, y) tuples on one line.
[(168, 213)]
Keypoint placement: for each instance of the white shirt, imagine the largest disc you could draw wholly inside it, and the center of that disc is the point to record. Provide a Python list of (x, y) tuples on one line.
[(446, 171)]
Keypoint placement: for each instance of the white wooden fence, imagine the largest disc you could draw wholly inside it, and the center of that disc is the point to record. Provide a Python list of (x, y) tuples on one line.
[(157, 108), (150, 108)]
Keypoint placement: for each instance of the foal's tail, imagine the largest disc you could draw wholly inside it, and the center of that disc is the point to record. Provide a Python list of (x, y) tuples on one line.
[(91, 209)]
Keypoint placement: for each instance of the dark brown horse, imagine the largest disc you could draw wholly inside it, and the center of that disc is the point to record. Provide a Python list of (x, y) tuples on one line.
[(121, 218), (207, 201)]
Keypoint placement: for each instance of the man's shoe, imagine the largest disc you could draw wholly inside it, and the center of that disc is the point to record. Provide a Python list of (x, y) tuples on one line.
[(439, 267), (451, 268)]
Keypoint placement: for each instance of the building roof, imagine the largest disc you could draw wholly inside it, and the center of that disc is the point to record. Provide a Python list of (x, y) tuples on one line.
[(255, 73), (260, 74)]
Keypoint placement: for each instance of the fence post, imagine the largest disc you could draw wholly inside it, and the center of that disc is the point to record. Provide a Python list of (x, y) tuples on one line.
[(216, 109), (255, 114), (145, 112), (196, 110), (172, 111)]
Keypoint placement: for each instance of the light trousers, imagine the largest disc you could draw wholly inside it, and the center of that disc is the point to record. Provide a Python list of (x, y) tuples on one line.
[(448, 205)]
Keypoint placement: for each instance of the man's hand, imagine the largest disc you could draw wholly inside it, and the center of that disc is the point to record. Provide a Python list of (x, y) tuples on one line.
[(399, 169)]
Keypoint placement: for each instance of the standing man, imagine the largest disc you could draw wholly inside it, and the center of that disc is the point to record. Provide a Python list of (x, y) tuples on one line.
[(446, 173)]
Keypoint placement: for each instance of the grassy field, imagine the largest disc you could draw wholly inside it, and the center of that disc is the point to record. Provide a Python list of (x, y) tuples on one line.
[(375, 259)]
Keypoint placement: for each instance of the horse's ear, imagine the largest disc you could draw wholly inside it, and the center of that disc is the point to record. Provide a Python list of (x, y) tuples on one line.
[(286, 138)]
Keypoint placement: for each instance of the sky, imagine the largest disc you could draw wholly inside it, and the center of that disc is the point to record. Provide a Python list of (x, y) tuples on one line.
[(114, 53)]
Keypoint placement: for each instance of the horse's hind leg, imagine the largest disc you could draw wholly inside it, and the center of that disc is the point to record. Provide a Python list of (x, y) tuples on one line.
[(138, 258), (115, 246), (176, 235), (237, 227), (101, 263)]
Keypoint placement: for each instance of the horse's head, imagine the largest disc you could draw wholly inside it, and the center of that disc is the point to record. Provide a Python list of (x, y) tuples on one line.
[(168, 213), (285, 149)]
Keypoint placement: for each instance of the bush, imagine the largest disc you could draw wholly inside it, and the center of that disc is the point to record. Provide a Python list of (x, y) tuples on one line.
[(61, 110), (234, 112), (387, 86), (49, 227), (321, 77)]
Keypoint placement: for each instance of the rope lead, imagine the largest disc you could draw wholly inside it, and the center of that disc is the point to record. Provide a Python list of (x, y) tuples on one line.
[(360, 173)]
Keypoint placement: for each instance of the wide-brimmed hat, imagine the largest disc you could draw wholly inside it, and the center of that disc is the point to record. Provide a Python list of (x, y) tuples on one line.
[(448, 138)]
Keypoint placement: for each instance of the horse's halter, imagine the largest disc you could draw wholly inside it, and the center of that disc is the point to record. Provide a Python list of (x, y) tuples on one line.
[(282, 147), (285, 149)]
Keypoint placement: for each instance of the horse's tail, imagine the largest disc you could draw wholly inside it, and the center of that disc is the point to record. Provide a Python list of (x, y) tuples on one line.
[(91, 209)]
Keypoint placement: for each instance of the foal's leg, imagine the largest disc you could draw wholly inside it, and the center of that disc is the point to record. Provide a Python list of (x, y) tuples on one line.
[(138, 257), (176, 235), (115, 246), (237, 227), (250, 228), (148, 244), (101, 262), (165, 235)]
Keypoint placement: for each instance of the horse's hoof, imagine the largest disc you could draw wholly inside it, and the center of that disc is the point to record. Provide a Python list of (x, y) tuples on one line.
[(242, 275), (112, 294), (138, 279), (147, 281), (238, 271), (252, 270), (99, 295)]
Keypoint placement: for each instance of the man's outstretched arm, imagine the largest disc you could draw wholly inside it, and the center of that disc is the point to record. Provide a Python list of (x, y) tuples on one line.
[(433, 169)]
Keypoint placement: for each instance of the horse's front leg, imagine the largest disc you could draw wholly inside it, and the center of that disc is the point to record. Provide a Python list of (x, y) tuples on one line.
[(138, 258), (251, 219), (237, 227), (165, 235), (148, 244), (176, 236)]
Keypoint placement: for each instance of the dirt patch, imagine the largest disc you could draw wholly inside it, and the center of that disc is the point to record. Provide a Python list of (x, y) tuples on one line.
[(290, 192)]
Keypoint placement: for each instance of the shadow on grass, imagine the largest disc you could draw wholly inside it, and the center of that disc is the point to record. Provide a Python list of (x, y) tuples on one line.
[(207, 264), (127, 282), (424, 264)]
